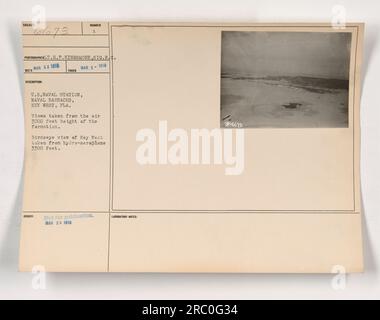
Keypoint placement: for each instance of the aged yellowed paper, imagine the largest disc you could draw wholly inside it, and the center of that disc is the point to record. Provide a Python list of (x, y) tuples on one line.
[(178, 147)]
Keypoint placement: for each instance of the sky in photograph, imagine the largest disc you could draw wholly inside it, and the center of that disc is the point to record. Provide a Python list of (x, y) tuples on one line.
[(316, 54)]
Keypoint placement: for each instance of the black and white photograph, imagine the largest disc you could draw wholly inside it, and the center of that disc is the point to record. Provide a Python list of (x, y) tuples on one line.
[(285, 79)]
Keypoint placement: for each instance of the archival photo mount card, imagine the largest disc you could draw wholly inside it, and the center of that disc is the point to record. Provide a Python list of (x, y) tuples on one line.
[(157, 147)]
